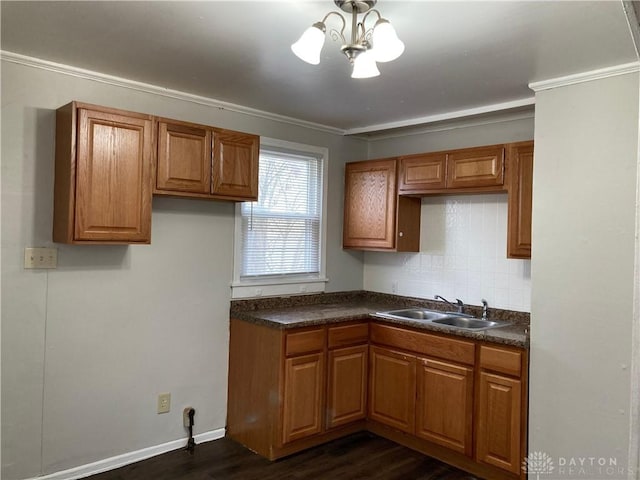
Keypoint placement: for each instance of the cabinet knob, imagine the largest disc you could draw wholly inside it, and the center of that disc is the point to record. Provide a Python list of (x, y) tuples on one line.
[(400, 234)]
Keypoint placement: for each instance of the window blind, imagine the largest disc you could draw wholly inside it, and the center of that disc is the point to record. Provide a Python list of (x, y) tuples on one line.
[(281, 231)]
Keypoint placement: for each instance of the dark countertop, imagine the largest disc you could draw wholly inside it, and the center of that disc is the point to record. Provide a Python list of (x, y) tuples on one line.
[(323, 309)]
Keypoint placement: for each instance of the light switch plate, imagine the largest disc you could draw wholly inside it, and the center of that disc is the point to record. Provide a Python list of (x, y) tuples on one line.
[(40, 257)]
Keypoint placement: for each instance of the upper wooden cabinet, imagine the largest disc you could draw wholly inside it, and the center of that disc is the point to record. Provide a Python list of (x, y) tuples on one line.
[(468, 170), (476, 167), (375, 217), (520, 187), (421, 172), (184, 158), (235, 164), (206, 162), (103, 175)]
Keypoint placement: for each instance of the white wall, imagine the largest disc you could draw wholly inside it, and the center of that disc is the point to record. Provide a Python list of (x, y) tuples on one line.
[(87, 348), (585, 175), (463, 238)]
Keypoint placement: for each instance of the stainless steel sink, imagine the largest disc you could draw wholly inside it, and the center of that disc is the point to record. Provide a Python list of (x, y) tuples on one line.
[(414, 314), (467, 323), (445, 319)]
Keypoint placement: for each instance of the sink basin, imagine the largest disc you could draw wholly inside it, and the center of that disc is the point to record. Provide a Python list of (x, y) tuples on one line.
[(414, 314), (469, 323), (445, 319)]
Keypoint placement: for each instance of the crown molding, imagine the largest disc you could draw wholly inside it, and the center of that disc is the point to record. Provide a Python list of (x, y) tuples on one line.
[(454, 124), (161, 91), (632, 14), (575, 78), (457, 114)]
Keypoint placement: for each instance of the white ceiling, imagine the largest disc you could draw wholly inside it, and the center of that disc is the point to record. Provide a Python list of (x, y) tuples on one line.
[(459, 55)]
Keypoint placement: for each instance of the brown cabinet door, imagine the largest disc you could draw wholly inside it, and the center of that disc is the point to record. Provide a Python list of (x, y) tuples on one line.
[(520, 186), (235, 165), (444, 409), (184, 158), (476, 167), (113, 178), (370, 204), (392, 388), (303, 397), (347, 385), (498, 421), (422, 172)]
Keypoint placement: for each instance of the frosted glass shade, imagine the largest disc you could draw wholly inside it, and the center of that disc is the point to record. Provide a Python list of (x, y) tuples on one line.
[(309, 46), (386, 44), (364, 66)]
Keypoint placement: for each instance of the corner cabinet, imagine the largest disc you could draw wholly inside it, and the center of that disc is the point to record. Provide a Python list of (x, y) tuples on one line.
[(206, 162), (103, 176), (375, 217), (283, 397)]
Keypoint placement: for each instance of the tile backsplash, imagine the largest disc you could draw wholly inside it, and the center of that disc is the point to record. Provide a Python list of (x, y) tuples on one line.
[(463, 245)]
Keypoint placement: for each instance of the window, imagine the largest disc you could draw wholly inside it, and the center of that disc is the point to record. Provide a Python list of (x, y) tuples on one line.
[(280, 238)]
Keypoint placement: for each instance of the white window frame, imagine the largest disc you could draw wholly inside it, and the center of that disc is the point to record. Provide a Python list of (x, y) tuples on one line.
[(285, 284)]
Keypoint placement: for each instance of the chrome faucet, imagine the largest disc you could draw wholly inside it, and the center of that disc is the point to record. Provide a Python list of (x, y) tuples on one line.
[(485, 308), (459, 307)]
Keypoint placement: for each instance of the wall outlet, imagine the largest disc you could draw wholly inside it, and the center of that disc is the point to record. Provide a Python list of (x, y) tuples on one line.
[(394, 286), (164, 403), (40, 257)]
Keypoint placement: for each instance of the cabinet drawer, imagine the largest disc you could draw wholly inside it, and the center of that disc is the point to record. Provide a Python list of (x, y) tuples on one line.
[(348, 335), (425, 343), (501, 360), (307, 341)]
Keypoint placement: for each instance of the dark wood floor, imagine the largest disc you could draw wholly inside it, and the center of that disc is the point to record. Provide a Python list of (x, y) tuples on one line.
[(359, 456)]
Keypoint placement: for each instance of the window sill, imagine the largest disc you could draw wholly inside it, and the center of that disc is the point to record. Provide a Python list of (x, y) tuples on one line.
[(277, 287)]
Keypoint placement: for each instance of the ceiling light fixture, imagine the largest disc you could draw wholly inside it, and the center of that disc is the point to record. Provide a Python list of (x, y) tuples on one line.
[(367, 46)]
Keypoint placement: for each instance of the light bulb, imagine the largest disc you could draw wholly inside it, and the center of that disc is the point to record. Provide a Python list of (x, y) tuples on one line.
[(310, 44), (386, 44), (364, 66)]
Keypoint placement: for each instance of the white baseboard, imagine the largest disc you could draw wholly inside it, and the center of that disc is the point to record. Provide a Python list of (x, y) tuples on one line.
[(121, 460)]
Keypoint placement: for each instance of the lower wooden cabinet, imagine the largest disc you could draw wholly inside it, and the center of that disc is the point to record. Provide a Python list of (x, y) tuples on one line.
[(347, 385), (444, 410), (501, 420), (455, 399), (498, 422), (303, 396), (292, 389), (392, 387)]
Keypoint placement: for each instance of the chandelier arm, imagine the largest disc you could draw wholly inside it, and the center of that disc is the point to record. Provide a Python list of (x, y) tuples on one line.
[(335, 34), (366, 33), (373, 10)]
